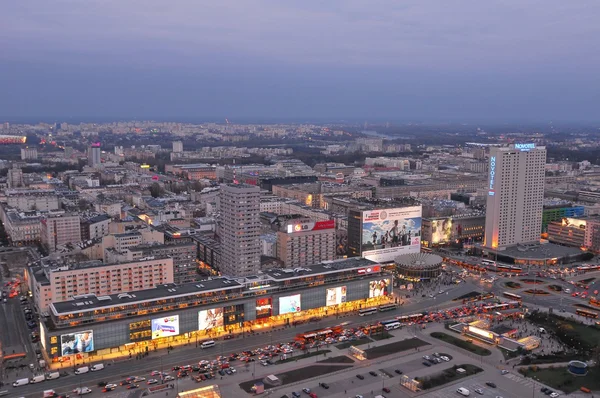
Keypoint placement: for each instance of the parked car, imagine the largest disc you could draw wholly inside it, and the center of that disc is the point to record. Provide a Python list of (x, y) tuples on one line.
[(361, 377)]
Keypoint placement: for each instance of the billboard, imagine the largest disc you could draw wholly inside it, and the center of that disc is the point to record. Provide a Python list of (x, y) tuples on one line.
[(387, 233), (264, 307), (441, 230), (378, 288), (76, 343), (289, 304), (336, 295), (208, 319), (165, 327), (307, 225)]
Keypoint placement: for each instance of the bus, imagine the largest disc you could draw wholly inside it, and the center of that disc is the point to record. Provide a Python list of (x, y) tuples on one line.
[(588, 268), (387, 307), (509, 268), (367, 311), (501, 306), (512, 296), (391, 324), (586, 313), (409, 318), (485, 261), (595, 302), (425, 250)]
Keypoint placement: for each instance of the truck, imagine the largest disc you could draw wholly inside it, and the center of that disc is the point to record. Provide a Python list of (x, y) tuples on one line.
[(49, 393)]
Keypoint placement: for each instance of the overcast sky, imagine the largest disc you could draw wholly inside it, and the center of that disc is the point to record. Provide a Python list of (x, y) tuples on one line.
[(457, 60)]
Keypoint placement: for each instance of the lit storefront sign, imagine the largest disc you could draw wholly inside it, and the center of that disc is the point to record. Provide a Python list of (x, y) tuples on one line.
[(492, 175), (525, 147), (264, 308), (369, 270), (308, 225)]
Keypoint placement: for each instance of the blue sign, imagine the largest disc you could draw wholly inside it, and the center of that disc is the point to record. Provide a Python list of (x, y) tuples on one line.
[(492, 174), (525, 147)]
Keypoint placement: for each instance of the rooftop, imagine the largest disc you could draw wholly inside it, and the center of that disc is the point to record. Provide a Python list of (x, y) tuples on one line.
[(547, 251)]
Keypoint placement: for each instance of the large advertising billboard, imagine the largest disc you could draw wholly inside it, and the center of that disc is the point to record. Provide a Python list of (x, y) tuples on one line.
[(336, 295), (289, 304), (307, 225), (441, 231), (378, 288), (165, 327), (208, 319), (388, 233), (76, 343)]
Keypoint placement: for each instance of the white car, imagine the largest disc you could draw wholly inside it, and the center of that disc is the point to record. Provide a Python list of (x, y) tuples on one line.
[(169, 378), (82, 390), (554, 395), (479, 391), (445, 358)]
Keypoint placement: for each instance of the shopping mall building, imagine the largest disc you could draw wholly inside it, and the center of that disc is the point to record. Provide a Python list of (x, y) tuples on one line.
[(194, 312)]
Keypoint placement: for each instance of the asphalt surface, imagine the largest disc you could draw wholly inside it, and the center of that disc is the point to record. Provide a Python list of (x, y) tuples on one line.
[(183, 355)]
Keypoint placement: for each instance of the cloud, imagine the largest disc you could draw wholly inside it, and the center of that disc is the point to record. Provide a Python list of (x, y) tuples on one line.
[(414, 33)]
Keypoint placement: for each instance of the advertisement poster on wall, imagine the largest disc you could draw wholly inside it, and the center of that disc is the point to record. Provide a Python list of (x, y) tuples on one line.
[(335, 296), (264, 308), (208, 319), (165, 327), (388, 233), (76, 343), (289, 304), (378, 288)]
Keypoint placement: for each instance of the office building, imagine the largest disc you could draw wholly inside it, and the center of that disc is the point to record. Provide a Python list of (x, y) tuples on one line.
[(29, 153), (53, 282), (240, 229), (33, 199), (177, 146), (515, 195), (95, 227), (58, 229), (302, 242), (93, 154), (15, 178)]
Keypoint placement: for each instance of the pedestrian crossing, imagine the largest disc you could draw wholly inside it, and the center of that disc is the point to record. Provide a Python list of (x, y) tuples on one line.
[(524, 381)]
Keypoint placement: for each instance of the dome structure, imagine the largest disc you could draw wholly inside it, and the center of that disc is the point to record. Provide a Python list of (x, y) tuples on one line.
[(419, 265)]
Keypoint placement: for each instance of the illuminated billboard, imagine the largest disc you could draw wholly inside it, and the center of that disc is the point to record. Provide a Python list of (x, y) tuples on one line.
[(264, 308), (441, 231), (573, 222), (208, 319), (76, 343), (165, 327), (289, 304), (378, 288), (307, 225), (387, 233), (336, 295)]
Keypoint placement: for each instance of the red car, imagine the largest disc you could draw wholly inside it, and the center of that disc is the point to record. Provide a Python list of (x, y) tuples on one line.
[(312, 395), (385, 389)]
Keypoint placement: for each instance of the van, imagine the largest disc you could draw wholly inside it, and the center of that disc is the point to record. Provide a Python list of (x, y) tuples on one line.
[(463, 391), (49, 394), (208, 344), (567, 291), (37, 379), (82, 370), (20, 382), (98, 366), (52, 375)]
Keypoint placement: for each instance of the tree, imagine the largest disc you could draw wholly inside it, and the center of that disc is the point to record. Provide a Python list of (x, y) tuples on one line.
[(156, 190)]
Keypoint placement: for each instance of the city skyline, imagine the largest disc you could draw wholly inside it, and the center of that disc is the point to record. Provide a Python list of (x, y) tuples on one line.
[(528, 61)]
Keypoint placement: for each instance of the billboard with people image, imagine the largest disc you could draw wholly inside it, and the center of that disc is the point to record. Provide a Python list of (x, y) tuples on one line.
[(387, 233), (77, 343)]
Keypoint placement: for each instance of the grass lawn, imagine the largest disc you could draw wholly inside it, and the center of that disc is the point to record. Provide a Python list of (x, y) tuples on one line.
[(353, 343), (392, 348), (475, 349), (537, 292), (567, 330), (508, 354), (467, 296), (448, 375), (297, 375), (513, 285), (381, 336), (561, 379), (340, 359), (307, 355)]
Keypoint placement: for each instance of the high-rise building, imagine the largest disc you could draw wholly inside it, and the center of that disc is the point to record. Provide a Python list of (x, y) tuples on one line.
[(94, 155), (15, 177), (240, 229), (515, 195), (29, 153), (58, 229), (177, 146), (303, 242)]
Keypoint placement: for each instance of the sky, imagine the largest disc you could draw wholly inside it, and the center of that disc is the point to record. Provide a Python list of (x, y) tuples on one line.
[(388, 60)]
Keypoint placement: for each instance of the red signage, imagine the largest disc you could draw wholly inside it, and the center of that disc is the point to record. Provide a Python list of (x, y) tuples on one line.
[(319, 225), (370, 270)]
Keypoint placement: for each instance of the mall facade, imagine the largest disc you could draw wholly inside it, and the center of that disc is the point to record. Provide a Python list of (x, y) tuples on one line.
[(171, 314)]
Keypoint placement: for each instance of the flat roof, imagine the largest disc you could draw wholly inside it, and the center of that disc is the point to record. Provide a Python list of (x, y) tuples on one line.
[(326, 267), (91, 301), (546, 251)]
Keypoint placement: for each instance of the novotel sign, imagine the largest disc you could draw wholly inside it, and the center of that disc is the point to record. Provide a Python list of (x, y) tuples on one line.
[(492, 175), (525, 147)]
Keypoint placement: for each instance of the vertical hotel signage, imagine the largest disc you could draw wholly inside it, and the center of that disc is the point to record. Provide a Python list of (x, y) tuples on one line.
[(492, 175)]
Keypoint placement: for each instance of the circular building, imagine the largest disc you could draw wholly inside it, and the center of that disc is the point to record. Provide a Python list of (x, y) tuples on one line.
[(578, 368), (419, 265)]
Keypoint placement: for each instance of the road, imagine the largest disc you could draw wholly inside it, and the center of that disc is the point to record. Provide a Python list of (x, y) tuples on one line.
[(189, 354)]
